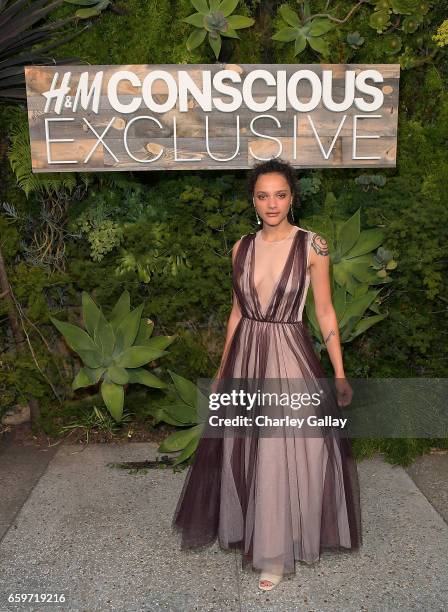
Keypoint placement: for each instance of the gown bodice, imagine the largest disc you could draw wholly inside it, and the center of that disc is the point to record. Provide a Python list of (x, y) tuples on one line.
[(271, 279)]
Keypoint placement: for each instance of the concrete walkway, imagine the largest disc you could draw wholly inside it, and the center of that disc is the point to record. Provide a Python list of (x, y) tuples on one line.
[(102, 537)]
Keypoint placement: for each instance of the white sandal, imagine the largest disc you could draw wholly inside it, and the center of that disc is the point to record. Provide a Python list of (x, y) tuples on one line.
[(274, 579)]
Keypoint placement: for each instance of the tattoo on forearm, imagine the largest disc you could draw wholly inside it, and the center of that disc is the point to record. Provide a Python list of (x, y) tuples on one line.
[(319, 244), (332, 333)]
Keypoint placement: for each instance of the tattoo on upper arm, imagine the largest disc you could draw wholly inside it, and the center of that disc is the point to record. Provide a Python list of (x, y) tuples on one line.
[(319, 244), (332, 333)]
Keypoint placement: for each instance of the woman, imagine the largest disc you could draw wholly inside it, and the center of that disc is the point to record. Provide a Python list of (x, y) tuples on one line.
[(277, 498)]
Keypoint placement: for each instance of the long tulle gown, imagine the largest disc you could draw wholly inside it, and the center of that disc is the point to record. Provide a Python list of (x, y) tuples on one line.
[(277, 499)]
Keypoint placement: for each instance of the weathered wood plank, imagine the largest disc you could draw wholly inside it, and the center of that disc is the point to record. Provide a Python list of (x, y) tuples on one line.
[(326, 124), (39, 78), (304, 154), (376, 131)]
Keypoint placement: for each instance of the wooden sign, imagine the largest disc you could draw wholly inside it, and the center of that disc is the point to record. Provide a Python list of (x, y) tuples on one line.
[(179, 116)]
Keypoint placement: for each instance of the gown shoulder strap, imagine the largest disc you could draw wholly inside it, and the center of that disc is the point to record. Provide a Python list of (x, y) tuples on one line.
[(248, 235), (242, 253)]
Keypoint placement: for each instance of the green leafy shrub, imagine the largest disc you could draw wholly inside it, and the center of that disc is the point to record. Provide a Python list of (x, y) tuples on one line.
[(181, 408), (355, 267), (114, 351), (178, 228)]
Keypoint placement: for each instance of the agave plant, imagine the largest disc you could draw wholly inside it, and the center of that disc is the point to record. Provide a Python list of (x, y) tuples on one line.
[(354, 264), (355, 267), (182, 409), (20, 39), (114, 351), (350, 314), (216, 20), (303, 29)]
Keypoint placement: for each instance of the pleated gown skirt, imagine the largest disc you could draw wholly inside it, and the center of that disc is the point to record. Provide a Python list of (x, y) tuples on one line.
[(277, 499)]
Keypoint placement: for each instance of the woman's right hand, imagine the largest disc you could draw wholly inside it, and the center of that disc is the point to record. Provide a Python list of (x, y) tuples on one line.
[(344, 392)]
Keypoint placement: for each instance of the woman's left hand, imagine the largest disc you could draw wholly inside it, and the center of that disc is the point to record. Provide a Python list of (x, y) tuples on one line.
[(344, 391)]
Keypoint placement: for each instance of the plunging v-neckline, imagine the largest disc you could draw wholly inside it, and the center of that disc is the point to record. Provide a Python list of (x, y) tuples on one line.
[(264, 312)]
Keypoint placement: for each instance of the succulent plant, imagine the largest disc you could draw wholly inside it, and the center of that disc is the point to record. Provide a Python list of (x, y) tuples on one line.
[(183, 410), (382, 5), (393, 44), (114, 351), (303, 31), (215, 20), (410, 24), (380, 18), (354, 39), (355, 267), (405, 7), (375, 180), (352, 257), (350, 314), (383, 260)]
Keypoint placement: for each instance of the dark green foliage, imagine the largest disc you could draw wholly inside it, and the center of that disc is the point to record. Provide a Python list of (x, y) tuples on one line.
[(177, 238), (27, 36), (146, 34), (167, 237)]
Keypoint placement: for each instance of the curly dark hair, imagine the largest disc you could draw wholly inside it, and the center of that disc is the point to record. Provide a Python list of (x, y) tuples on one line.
[(275, 165)]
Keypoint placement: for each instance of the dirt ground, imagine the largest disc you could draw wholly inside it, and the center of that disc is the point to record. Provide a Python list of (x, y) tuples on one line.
[(23, 435)]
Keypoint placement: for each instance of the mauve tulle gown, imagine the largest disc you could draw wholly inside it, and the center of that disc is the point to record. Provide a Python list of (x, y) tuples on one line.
[(277, 499)]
